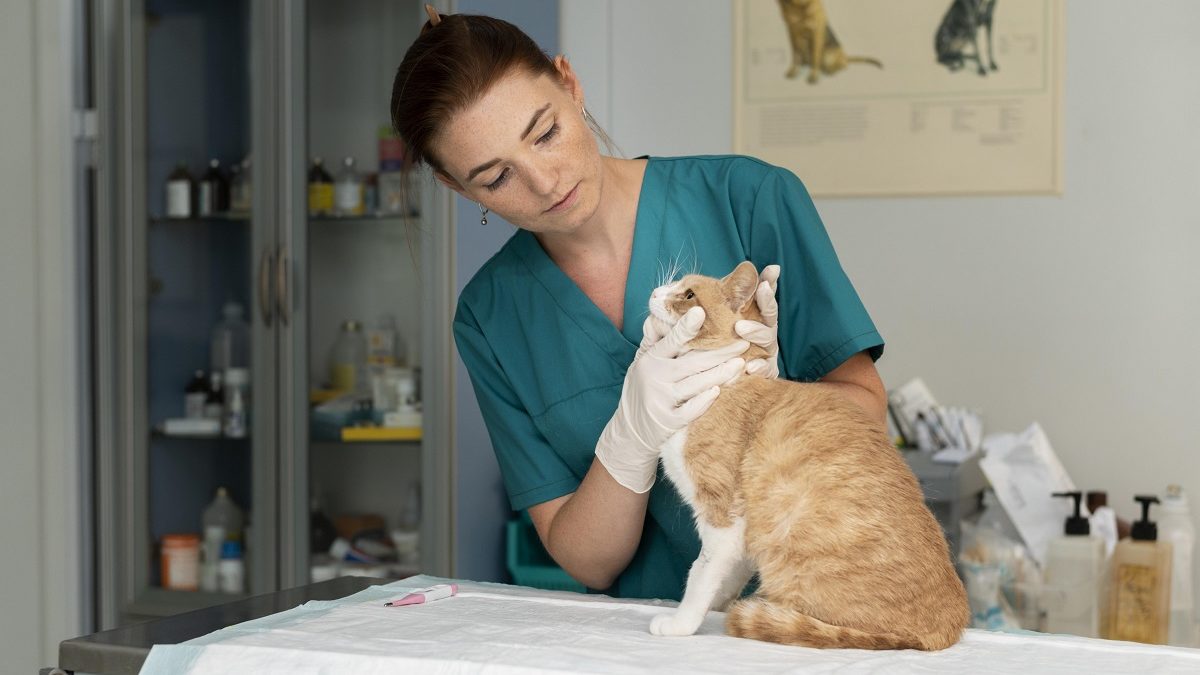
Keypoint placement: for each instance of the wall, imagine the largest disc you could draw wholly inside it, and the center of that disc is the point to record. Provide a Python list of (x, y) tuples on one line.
[(41, 596), (1077, 311)]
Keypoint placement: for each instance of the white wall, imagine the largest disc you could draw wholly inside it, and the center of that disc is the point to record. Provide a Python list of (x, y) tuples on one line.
[(40, 574), (1079, 311)]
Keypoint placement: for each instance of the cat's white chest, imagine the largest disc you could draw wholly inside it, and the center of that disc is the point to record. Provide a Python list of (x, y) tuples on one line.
[(673, 466)]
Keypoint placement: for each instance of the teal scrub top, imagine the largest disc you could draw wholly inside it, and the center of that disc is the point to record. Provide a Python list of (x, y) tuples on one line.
[(547, 365)]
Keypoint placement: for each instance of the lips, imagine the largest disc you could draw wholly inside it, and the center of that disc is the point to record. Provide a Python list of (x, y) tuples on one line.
[(565, 201)]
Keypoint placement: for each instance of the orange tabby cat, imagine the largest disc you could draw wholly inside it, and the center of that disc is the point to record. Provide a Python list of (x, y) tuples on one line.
[(798, 483)]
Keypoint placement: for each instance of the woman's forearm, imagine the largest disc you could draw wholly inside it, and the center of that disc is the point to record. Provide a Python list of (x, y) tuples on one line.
[(595, 531)]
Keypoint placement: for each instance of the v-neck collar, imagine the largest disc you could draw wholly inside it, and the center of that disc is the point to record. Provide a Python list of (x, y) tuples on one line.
[(639, 281)]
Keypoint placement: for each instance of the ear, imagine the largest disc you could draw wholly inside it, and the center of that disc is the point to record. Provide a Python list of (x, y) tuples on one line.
[(569, 80), (739, 286)]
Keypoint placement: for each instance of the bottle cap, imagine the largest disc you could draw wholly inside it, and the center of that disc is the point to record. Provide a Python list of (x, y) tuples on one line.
[(1075, 524), (1145, 529), (232, 309)]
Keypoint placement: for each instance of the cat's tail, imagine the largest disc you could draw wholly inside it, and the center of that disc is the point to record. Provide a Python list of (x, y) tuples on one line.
[(865, 59), (758, 619)]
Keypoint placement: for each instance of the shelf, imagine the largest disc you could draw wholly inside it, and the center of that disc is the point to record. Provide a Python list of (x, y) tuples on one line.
[(157, 601), (378, 217), (156, 434), (229, 217)]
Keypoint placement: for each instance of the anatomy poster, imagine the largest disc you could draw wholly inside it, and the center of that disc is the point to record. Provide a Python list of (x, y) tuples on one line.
[(920, 97)]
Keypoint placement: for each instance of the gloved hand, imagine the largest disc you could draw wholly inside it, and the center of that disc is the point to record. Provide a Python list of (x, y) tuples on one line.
[(666, 387), (765, 335)]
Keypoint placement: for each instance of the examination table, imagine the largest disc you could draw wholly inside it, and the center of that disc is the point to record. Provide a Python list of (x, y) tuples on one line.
[(496, 628)]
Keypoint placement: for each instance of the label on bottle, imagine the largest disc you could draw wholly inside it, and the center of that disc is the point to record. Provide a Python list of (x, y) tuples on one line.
[(343, 376), (179, 199), (207, 201), (320, 198), (349, 198), (1133, 615)]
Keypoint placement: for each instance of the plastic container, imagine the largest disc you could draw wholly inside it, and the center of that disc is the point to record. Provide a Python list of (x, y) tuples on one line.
[(1175, 526), (232, 569), (348, 360), (180, 562), (230, 344), (195, 395), (1140, 583), (348, 190), (1074, 577), (237, 403), (223, 521), (530, 564)]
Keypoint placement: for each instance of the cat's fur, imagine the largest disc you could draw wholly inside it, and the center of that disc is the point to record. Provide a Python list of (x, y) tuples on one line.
[(813, 43), (959, 28), (799, 484)]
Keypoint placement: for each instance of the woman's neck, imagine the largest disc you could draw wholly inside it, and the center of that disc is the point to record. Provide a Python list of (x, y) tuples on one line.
[(608, 234)]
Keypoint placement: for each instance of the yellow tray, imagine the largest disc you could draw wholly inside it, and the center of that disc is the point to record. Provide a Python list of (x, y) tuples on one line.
[(381, 434)]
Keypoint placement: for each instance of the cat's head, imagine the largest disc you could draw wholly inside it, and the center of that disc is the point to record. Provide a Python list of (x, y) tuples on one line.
[(725, 301)]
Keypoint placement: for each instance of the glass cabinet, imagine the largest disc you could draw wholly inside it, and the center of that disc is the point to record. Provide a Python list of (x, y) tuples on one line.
[(272, 317)]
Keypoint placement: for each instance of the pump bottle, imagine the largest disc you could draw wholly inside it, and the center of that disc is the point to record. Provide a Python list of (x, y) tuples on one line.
[(1175, 526), (1141, 583), (1074, 577)]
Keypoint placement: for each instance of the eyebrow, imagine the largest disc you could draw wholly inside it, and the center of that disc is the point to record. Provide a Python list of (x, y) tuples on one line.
[(532, 123)]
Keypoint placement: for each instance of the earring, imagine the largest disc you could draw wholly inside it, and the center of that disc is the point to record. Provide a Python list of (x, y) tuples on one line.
[(482, 213)]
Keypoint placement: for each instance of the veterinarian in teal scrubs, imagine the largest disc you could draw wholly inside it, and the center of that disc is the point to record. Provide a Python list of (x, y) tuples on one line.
[(550, 326)]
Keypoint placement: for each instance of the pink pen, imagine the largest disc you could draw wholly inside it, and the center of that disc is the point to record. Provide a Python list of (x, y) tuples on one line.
[(425, 595)]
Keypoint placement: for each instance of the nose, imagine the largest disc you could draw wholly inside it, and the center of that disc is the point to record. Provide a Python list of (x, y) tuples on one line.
[(543, 177)]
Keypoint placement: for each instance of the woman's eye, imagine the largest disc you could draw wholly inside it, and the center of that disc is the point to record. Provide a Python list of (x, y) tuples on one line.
[(689, 295), (500, 180), (549, 134)]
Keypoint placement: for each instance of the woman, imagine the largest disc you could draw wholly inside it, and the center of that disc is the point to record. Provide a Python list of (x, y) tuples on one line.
[(576, 390)]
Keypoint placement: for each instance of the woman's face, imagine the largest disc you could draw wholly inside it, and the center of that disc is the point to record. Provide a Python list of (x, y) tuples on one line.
[(524, 152)]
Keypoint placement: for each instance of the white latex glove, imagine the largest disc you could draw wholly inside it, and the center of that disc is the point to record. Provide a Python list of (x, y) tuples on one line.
[(765, 335), (667, 386)]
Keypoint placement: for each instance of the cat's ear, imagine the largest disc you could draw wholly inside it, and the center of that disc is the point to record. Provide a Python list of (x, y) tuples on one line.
[(739, 286)]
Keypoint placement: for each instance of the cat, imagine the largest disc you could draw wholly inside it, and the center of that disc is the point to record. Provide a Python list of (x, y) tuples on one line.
[(959, 28), (798, 483), (813, 42)]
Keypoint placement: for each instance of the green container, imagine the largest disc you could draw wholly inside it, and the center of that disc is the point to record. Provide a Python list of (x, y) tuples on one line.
[(530, 564)]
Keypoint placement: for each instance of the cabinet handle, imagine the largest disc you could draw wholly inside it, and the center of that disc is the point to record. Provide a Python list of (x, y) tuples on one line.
[(264, 286), (282, 297)]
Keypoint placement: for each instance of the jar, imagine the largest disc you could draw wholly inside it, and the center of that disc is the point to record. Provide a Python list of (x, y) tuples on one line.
[(181, 561)]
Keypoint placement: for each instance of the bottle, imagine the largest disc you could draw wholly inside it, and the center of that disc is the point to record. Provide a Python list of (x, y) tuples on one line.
[(214, 404), (214, 191), (230, 343), (371, 193), (1175, 526), (320, 189), (237, 408), (195, 395), (381, 342), (348, 191), (231, 571), (1074, 576), (1098, 499), (179, 192), (222, 522), (240, 197), (1140, 583), (348, 361)]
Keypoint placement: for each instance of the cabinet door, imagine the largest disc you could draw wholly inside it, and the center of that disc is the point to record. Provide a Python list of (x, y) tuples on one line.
[(363, 460), (192, 264)]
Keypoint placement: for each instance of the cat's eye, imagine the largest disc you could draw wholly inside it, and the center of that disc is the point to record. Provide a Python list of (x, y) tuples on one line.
[(689, 295)]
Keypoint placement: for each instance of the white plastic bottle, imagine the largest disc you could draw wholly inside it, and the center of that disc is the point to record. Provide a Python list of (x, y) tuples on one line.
[(1074, 578), (1175, 525), (222, 521), (232, 569), (348, 190), (230, 340)]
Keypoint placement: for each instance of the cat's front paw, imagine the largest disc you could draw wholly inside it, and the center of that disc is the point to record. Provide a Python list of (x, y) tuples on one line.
[(672, 625)]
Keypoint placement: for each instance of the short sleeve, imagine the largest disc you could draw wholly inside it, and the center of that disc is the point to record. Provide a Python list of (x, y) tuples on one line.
[(533, 473), (822, 319)]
